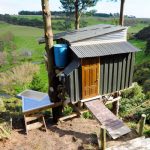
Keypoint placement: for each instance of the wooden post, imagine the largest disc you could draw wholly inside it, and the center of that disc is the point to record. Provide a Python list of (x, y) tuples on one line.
[(142, 124), (121, 20), (50, 59), (76, 15), (116, 107), (103, 138)]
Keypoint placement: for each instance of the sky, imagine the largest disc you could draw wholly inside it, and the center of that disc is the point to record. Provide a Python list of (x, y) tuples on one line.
[(138, 8)]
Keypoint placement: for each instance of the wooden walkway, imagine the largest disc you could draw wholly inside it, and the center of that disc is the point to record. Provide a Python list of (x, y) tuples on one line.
[(114, 126), (140, 143)]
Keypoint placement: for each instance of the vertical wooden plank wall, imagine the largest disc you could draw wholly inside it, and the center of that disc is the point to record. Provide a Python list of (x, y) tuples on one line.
[(73, 85), (116, 72)]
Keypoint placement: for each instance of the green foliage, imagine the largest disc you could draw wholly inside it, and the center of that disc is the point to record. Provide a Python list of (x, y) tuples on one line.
[(69, 5), (67, 110), (17, 78), (2, 106), (87, 115), (145, 110), (131, 98), (133, 92), (147, 50), (142, 75), (37, 84), (144, 34), (12, 106)]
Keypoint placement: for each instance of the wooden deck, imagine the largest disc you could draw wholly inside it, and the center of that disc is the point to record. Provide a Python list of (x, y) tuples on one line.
[(114, 126)]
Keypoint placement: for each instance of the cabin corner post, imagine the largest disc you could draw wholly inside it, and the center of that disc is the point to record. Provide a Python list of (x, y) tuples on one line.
[(48, 34)]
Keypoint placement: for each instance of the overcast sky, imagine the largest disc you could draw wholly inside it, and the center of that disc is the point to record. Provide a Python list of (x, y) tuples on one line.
[(138, 8)]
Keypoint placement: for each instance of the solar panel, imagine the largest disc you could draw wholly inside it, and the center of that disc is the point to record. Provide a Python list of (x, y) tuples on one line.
[(33, 100), (32, 94)]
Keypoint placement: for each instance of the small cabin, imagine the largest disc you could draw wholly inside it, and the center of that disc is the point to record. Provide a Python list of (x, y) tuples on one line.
[(99, 61)]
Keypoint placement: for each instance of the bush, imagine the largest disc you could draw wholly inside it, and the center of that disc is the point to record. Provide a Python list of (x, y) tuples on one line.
[(37, 84), (147, 50), (87, 115), (144, 34), (67, 110), (134, 92), (142, 75), (131, 98), (18, 78), (146, 85)]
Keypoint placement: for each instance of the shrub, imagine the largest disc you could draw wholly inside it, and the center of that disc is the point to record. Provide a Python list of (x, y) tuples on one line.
[(67, 110), (131, 98), (134, 92), (146, 85), (2, 106), (87, 115), (147, 50), (144, 34), (142, 73), (17, 78), (37, 84)]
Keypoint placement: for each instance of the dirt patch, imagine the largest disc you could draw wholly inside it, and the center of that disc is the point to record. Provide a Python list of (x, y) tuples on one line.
[(76, 134)]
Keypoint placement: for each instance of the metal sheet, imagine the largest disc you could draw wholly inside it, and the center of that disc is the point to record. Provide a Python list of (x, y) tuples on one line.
[(72, 66), (103, 49)]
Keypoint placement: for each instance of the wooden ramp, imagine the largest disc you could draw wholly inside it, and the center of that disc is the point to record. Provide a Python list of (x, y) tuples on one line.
[(114, 126), (140, 143)]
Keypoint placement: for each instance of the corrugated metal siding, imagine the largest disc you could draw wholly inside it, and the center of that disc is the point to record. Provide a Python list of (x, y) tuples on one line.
[(116, 72), (104, 49), (73, 85)]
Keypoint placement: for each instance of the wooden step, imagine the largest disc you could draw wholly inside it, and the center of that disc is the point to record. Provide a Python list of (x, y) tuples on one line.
[(34, 125), (31, 118)]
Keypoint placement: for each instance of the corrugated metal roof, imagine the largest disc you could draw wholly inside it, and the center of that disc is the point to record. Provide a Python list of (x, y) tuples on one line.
[(85, 33), (72, 66), (103, 49)]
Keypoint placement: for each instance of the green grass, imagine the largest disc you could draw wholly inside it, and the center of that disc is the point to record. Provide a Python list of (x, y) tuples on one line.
[(140, 56), (136, 28)]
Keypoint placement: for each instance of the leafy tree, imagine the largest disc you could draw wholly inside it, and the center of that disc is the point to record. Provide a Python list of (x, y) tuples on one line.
[(77, 7)]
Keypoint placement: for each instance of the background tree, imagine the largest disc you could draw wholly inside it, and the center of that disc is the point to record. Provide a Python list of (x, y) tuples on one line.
[(121, 16), (77, 7)]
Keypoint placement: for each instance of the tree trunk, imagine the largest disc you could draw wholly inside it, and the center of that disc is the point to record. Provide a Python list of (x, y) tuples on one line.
[(49, 53), (121, 20), (76, 15)]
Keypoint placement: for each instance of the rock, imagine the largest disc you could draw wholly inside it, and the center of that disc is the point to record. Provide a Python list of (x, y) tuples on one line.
[(74, 139)]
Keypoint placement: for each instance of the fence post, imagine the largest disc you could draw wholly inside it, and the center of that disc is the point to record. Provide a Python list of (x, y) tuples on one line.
[(141, 124), (103, 138)]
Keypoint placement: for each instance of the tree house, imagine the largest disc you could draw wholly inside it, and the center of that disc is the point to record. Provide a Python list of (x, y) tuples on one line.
[(100, 61)]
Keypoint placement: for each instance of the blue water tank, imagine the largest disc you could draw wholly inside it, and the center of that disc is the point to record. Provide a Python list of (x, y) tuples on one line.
[(60, 55)]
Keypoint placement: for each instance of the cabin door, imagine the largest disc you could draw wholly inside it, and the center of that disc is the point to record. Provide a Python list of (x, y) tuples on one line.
[(90, 77)]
